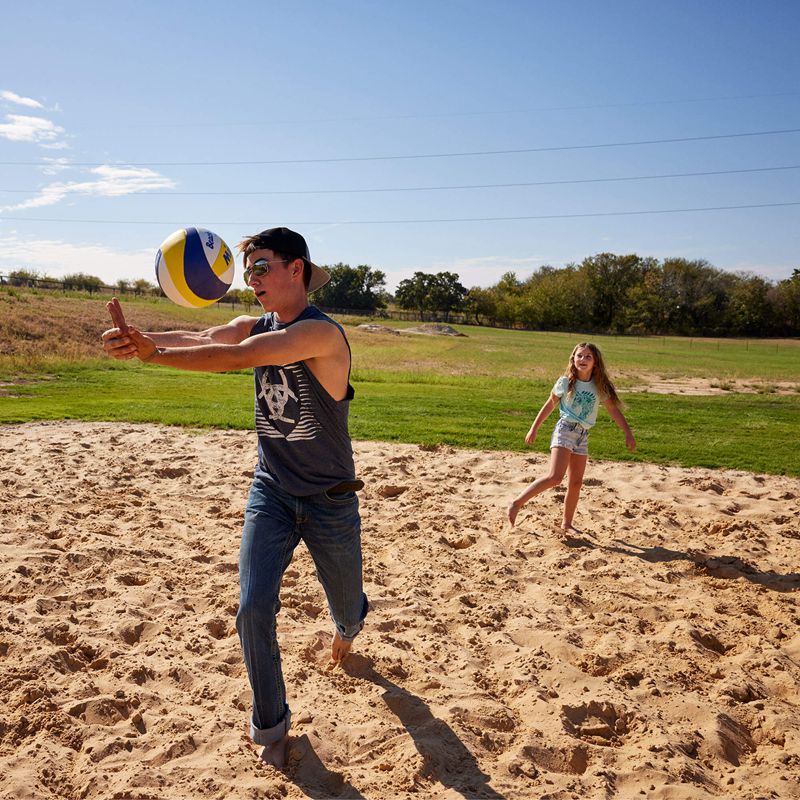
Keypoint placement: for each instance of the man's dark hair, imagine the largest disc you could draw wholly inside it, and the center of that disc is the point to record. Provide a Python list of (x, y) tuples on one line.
[(256, 242)]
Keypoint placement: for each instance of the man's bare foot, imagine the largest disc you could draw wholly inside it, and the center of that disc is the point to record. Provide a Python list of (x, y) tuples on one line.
[(513, 510), (340, 648), (275, 754)]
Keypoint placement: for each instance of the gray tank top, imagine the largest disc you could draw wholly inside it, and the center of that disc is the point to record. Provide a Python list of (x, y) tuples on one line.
[(303, 442)]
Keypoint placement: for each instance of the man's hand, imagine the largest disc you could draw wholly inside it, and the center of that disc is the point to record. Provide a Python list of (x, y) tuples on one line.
[(117, 317), (124, 342)]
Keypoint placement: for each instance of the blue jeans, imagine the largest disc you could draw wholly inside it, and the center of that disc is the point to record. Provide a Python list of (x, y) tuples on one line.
[(274, 524)]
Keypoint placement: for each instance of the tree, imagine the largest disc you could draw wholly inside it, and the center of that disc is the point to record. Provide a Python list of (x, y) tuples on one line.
[(244, 297), (748, 307), (424, 292), (82, 281), (695, 296), (610, 278), (508, 294), (787, 304), (554, 299), (481, 305), (412, 293), (446, 293), (23, 277), (142, 287), (360, 287)]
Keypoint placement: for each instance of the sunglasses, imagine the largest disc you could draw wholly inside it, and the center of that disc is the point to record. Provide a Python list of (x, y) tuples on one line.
[(261, 267)]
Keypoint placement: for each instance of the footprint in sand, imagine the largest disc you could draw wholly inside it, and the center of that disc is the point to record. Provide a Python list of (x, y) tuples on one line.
[(564, 761), (390, 491), (598, 723), (133, 633), (460, 543), (183, 747), (105, 711)]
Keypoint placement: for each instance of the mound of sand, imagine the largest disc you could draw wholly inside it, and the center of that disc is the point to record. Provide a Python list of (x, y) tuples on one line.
[(656, 655), (369, 327), (434, 329)]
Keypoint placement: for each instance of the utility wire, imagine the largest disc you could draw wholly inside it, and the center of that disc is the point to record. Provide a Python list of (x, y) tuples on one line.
[(413, 221), (443, 188), (351, 159), (449, 114)]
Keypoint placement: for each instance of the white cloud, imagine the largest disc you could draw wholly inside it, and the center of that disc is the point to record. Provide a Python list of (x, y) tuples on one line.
[(22, 128), (52, 166), (480, 271), (111, 181), (772, 272), (487, 270), (13, 97), (55, 146), (56, 258)]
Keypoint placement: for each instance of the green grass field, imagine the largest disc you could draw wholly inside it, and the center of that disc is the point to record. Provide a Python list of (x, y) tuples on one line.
[(481, 390)]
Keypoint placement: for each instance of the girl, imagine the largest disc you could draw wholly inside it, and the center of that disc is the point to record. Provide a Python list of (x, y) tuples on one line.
[(578, 392)]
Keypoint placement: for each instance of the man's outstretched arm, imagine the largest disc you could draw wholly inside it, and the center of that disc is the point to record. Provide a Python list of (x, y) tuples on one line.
[(118, 343), (303, 341)]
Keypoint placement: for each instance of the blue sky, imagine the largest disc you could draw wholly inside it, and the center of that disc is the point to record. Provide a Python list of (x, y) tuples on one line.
[(122, 122)]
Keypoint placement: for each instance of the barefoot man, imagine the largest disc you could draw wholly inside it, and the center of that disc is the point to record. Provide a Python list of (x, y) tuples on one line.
[(304, 484)]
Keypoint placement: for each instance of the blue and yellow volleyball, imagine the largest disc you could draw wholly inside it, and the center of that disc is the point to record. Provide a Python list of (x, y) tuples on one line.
[(194, 267)]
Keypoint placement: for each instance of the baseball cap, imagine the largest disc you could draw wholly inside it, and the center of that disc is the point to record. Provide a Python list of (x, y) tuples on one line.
[(284, 240)]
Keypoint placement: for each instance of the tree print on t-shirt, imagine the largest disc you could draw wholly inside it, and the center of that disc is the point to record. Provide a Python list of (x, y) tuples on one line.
[(583, 403)]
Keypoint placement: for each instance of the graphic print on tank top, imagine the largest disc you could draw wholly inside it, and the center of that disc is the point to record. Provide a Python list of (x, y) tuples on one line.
[(284, 393)]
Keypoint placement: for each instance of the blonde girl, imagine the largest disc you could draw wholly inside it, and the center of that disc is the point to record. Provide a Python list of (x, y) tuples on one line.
[(578, 393)]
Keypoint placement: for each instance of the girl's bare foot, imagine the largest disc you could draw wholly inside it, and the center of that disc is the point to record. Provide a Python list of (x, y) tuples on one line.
[(275, 754), (571, 529), (512, 511)]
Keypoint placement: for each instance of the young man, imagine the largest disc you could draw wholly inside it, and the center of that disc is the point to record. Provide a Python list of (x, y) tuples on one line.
[(304, 483)]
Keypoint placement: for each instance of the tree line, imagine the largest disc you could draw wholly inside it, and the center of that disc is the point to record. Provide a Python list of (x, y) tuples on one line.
[(82, 282), (605, 293), (630, 294)]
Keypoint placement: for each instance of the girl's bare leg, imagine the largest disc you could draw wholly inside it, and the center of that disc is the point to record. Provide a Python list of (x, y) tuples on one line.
[(577, 466), (559, 461)]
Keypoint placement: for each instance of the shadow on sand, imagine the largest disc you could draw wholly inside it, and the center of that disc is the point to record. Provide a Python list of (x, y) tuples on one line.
[(715, 566), (311, 776), (446, 759)]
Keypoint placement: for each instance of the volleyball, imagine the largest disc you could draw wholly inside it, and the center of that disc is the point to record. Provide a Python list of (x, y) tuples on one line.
[(194, 267)]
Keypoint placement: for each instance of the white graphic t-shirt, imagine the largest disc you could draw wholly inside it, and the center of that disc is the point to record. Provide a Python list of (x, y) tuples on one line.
[(581, 406)]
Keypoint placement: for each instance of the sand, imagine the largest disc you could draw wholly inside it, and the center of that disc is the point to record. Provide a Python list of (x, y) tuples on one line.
[(655, 655)]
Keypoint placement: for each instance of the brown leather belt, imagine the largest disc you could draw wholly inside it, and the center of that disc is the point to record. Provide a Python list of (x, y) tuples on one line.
[(346, 486)]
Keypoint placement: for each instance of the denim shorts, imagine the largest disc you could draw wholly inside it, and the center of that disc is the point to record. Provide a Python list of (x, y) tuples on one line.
[(572, 436)]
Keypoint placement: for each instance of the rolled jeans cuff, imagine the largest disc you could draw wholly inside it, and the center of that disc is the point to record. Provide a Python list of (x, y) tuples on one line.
[(267, 736), (350, 638), (349, 634)]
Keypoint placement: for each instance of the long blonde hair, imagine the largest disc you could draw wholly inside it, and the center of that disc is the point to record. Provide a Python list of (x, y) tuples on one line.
[(599, 374)]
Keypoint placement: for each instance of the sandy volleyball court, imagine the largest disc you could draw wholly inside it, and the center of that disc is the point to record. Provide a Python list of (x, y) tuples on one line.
[(657, 655)]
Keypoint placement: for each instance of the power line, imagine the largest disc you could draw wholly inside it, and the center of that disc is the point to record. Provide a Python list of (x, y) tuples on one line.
[(413, 221), (350, 159), (450, 114), (442, 188)]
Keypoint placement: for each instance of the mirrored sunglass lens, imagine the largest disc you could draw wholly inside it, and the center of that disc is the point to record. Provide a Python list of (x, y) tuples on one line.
[(259, 268)]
